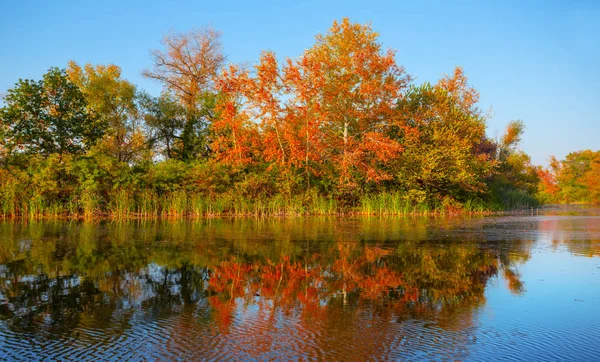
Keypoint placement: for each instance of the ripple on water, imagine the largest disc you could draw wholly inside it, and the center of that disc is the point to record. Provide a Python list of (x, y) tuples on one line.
[(133, 307)]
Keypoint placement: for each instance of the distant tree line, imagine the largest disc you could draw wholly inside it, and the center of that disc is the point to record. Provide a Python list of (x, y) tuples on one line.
[(576, 179)]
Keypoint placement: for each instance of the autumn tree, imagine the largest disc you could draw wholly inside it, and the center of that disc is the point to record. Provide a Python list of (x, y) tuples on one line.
[(575, 179), (516, 180), (327, 113), (114, 101), (236, 138), (48, 116), (591, 179), (187, 69), (304, 80), (548, 188), (446, 149), (359, 86), (510, 139), (264, 92), (253, 104), (574, 175)]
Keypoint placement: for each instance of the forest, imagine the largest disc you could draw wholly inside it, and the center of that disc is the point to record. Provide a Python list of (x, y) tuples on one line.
[(341, 128)]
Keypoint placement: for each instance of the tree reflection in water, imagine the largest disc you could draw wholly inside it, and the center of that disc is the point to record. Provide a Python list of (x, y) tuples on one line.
[(261, 282)]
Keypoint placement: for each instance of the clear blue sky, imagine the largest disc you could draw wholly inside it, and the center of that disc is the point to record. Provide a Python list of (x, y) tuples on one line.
[(532, 60)]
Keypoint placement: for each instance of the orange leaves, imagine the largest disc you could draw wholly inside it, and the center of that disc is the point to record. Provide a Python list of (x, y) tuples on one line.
[(358, 86), (575, 179), (458, 88), (548, 181), (235, 138), (331, 109), (265, 92), (252, 103), (341, 113), (513, 134)]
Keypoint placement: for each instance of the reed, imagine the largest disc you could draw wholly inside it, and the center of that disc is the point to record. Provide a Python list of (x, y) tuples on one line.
[(8, 201), (122, 204), (512, 199), (390, 204), (129, 203)]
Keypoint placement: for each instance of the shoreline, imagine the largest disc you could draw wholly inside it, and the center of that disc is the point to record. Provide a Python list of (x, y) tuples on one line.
[(191, 216)]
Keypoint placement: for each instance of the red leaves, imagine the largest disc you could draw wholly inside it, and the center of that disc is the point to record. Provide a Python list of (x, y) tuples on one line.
[(548, 181)]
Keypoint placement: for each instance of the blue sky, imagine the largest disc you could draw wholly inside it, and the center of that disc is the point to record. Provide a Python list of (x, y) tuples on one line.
[(532, 60)]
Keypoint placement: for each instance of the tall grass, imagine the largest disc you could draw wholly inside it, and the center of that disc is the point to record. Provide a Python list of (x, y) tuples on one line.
[(392, 204), (8, 198), (126, 203), (512, 199)]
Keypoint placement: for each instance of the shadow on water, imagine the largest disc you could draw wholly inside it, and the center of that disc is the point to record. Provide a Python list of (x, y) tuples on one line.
[(406, 288)]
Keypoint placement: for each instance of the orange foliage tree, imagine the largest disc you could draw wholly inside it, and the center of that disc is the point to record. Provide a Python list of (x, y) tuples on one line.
[(591, 179), (328, 113), (359, 85), (235, 136)]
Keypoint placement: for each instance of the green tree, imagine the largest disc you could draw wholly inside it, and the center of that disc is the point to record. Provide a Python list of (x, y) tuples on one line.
[(48, 116), (446, 151), (165, 119), (516, 179)]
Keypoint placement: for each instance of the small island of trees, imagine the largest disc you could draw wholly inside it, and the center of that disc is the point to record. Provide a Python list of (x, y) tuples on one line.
[(342, 128)]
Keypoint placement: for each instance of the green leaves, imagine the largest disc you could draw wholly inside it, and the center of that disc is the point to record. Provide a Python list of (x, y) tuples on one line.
[(48, 116)]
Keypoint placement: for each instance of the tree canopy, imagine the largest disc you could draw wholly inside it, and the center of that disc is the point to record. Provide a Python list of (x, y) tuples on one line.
[(48, 116), (340, 128)]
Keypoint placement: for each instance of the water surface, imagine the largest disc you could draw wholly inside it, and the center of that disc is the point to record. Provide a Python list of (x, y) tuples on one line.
[(402, 288)]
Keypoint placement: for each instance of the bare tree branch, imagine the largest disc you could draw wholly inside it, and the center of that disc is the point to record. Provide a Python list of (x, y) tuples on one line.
[(188, 64)]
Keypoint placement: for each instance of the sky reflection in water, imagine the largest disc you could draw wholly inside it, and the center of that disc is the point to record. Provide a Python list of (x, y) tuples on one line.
[(520, 287)]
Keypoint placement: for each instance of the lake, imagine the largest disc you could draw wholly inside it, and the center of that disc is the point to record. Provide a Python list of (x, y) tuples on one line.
[(521, 287)]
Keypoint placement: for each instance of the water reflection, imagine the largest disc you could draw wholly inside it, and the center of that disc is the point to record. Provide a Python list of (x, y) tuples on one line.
[(299, 288)]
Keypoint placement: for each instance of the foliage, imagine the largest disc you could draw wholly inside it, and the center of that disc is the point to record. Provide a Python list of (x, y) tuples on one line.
[(339, 129), (517, 180), (48, 116), (446, 151), (576, 179), (114, 101), (187, 70)]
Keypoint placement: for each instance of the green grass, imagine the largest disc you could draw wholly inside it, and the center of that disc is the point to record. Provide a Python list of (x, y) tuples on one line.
[(516, 200), (392, 204), (131, 204)]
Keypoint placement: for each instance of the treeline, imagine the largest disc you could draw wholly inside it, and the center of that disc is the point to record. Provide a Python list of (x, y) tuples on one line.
[(340, 128), (576, 179)]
